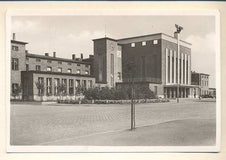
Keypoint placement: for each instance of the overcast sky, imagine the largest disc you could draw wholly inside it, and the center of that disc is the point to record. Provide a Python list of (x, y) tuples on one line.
[(73, 34)]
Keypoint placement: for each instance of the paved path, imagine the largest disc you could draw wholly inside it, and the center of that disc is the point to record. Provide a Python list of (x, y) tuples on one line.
[(46, 125)]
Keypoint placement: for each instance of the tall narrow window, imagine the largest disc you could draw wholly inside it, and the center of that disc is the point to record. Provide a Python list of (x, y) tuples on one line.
[(173, 69), (112, 69), (169, 68), (15, 64), (84, 84), (71, 86), (41, 88), (56, 86), (183, 71), (48, 86), (64, 82)]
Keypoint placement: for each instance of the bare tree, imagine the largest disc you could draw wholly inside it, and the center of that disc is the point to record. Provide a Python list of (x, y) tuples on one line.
[(40, 87)]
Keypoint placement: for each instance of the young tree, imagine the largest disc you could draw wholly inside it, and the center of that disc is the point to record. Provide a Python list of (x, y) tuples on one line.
[(62, 88), (17, 91), (40, 87)]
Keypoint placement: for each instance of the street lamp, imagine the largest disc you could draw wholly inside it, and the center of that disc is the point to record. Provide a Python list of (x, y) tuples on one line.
[(177, 33), (131, 69)]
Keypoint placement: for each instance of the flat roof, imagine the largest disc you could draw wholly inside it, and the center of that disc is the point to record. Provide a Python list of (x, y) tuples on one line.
[(56, 58), (18, 42), (104, 38), (148, 35)]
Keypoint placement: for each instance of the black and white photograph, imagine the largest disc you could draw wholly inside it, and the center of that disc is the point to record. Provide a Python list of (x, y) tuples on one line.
[(114, 82)]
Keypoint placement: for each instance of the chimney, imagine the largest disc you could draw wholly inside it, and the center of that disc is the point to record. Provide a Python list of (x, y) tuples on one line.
[(73, 56), (14, 36), (54, 54), (81, 56), (46, 54)]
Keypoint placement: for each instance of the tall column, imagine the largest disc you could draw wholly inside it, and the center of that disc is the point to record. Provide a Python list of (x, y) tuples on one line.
[(174, 55), (166, 65), (182, 68), (185, 70), (171, 66), (178, 67), (189, 69)]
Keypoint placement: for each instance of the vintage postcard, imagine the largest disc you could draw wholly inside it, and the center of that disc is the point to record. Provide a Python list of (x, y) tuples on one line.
[(117, 81)]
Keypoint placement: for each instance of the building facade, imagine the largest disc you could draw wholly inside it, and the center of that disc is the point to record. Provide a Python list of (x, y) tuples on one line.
[(154, 60), (202, 81), (29, 69), (150, 60)]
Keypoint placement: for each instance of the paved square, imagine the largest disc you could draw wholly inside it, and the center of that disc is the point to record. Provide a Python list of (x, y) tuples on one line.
[(186, 123)]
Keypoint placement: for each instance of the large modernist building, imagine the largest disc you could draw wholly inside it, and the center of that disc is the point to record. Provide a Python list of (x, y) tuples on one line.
[(150, 60), (155, 62)]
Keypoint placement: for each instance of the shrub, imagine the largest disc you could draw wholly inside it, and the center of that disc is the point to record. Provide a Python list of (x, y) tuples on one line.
[(107, 93)]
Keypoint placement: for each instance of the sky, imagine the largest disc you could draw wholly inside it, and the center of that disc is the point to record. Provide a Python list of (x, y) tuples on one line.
[(67, 35)]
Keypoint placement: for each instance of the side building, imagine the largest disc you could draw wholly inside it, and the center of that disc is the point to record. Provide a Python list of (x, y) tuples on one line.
[(202, 81), (29, 69)]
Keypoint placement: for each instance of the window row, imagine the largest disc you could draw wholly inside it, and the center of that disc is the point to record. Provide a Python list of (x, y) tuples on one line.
[(57, 86), (59, 62), (144, 43), (59, 69)]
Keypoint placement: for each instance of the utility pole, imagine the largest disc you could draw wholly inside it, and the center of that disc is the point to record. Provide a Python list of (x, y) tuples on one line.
[(177, 33)]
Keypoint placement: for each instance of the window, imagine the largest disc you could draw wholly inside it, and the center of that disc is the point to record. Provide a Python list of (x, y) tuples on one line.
[(119, 76), (78, 71), (68, 70), (90, 83), (155, 41), (27, 67), (59, 62), (132, 44), (15, 64), (87, 65), (59, 69), (77, 83), (69, 63), (38, 68), (49, 61), (71, 86), (78, 64), (64, 82), (15, 86), (86, 72), (56, 86), (49, 69), (15, 48), (40, 86), (84, 83), (48, 86), (144, 43), (38, 60)]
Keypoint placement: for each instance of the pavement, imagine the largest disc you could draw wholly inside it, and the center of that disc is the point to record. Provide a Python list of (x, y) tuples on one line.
[(185, 123)]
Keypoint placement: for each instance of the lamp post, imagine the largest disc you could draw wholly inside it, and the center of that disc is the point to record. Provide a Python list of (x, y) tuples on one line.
[(131, 70), (177, 33)]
